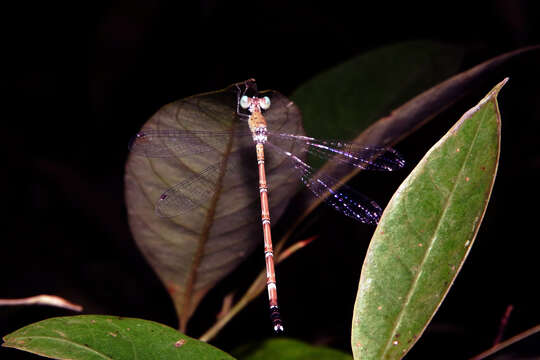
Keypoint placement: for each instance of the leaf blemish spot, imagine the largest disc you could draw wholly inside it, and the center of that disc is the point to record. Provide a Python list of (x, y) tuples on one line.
[(179, 343), (113, 334), (395, 342), (457, 150), (467, 178), (420, 244), (467, 243), (379, 307)]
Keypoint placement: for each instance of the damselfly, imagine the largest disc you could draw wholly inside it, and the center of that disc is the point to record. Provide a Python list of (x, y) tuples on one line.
[(272, 129)]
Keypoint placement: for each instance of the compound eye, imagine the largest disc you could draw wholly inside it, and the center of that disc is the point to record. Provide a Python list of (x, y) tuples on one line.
[(244, 102), (265, 103)]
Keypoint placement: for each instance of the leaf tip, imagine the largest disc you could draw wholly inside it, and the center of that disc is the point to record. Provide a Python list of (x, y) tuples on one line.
[(492, 95), (502, 83), (495, 91)]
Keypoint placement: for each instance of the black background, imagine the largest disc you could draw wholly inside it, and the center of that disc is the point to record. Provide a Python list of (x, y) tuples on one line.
[(83, 77)]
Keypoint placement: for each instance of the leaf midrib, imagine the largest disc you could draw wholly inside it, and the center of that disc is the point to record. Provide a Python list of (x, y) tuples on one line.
[(205, 234)]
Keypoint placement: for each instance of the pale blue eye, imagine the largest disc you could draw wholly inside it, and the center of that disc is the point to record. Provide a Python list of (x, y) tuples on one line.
[(265, 103), (244, 102)]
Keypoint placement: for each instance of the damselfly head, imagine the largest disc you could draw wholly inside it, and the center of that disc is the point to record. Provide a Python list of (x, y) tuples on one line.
[(247, 102)]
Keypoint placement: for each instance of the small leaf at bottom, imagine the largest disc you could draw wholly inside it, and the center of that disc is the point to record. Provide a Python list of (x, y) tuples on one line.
[(288, 349), (108, 337)]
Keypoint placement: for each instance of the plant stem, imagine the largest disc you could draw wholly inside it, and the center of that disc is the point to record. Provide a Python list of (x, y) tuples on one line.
[(507, 343), (50, 300)]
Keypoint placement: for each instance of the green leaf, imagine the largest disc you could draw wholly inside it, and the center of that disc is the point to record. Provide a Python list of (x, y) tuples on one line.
[(288, 349), (193, 251), (425, 234), (108, 337), (343, 101)]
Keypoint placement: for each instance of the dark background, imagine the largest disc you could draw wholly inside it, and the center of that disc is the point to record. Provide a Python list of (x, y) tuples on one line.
[(83, 77)]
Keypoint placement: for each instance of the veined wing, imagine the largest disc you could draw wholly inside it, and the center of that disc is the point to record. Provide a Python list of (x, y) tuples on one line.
[(364, 157), (342, 198), (197, 190), (189, 194), (175, 143)]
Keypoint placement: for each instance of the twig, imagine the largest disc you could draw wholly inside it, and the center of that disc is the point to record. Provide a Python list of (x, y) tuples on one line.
[(507, 343), (503, 323), (50, 300), (294, 248), (226, 306)]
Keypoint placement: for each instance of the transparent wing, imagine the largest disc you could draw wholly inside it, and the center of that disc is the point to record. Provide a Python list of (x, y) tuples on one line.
[(364, 157), (345, 200), (189, 194), (197, 191), (175, 143)]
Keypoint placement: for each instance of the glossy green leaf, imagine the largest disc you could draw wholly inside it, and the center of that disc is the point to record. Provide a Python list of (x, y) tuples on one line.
[(193, 251), (288, 349), (98, 337), (425, 234)]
